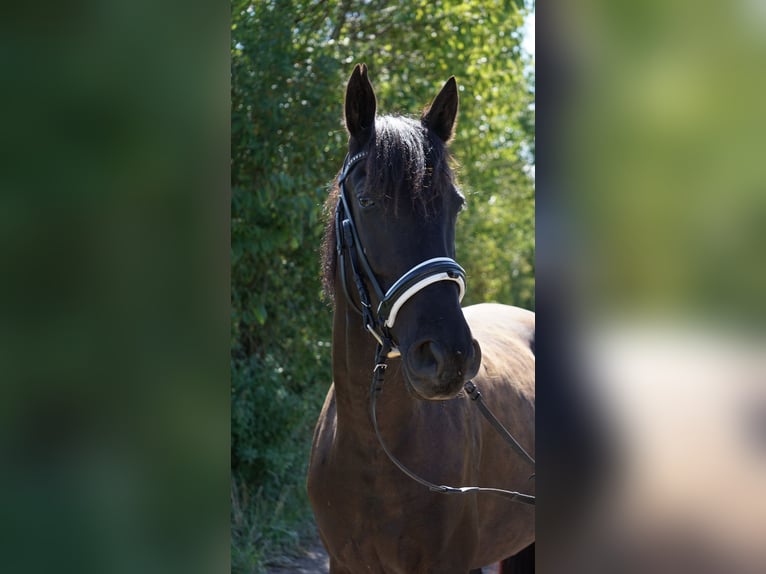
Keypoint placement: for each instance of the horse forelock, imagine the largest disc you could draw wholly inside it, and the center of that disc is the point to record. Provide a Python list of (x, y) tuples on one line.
[(407, 167), (408, 164)]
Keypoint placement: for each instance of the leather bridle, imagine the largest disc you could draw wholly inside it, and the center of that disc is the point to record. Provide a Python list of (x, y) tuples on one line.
[(380, 322)]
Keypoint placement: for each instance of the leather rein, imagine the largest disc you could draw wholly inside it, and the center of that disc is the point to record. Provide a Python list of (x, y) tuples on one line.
[(380, 322)]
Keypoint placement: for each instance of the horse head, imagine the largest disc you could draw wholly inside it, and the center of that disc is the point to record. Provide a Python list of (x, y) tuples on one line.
[(398, 205)]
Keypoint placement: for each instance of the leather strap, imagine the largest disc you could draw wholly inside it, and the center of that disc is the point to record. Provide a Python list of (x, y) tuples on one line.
[(378, 375)]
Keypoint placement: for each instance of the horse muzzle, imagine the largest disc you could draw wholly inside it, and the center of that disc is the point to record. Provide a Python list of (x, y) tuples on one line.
[(435, 372)]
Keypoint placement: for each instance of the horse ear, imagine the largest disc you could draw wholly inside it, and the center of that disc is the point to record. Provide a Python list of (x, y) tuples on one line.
[(441, 115), (360, 106)]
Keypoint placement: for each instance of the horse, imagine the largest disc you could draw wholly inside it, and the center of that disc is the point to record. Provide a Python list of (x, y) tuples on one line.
[(389, 267)]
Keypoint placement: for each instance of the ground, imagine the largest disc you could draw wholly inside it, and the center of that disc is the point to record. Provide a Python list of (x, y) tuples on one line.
[(311, 558)]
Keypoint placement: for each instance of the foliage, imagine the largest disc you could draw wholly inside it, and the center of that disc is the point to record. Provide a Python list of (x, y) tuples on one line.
[(290, 60)]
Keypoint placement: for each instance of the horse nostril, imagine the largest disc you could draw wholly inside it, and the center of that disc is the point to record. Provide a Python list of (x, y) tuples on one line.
[(427, 358)]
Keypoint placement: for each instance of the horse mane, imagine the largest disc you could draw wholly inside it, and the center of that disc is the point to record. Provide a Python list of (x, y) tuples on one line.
[(406, 162)]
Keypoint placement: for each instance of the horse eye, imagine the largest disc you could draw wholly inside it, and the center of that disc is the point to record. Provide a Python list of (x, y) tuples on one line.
[(365, 202)]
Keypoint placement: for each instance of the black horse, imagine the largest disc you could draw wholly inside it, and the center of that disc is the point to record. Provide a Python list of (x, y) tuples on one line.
[(389, 264)]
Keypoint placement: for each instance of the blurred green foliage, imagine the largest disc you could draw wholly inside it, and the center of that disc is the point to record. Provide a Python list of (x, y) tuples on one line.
[(657, 266), (114, 348), (665, 156), (290, 61)]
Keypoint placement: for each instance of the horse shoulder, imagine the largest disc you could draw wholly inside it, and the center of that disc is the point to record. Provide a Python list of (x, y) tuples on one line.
[(506, 335), (506, 378), (501, 322)]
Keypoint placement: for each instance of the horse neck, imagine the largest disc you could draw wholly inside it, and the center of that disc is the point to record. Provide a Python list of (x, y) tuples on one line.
[(353, 357)]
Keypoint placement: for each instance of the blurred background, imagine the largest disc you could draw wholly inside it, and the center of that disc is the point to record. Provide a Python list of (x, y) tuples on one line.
[(114, 303), (651, 211)]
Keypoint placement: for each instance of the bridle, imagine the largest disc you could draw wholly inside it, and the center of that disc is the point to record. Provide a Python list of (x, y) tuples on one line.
[(380, 322)]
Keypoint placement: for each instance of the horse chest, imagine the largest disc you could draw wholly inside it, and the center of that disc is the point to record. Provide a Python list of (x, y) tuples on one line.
[(382, 534), (373, 519), (357, 489)]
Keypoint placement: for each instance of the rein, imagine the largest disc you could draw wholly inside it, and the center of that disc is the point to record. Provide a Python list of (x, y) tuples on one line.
[(378, 374), (380, 322)]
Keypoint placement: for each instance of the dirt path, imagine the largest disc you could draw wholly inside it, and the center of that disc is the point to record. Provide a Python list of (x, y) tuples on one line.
[(310, 559)]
